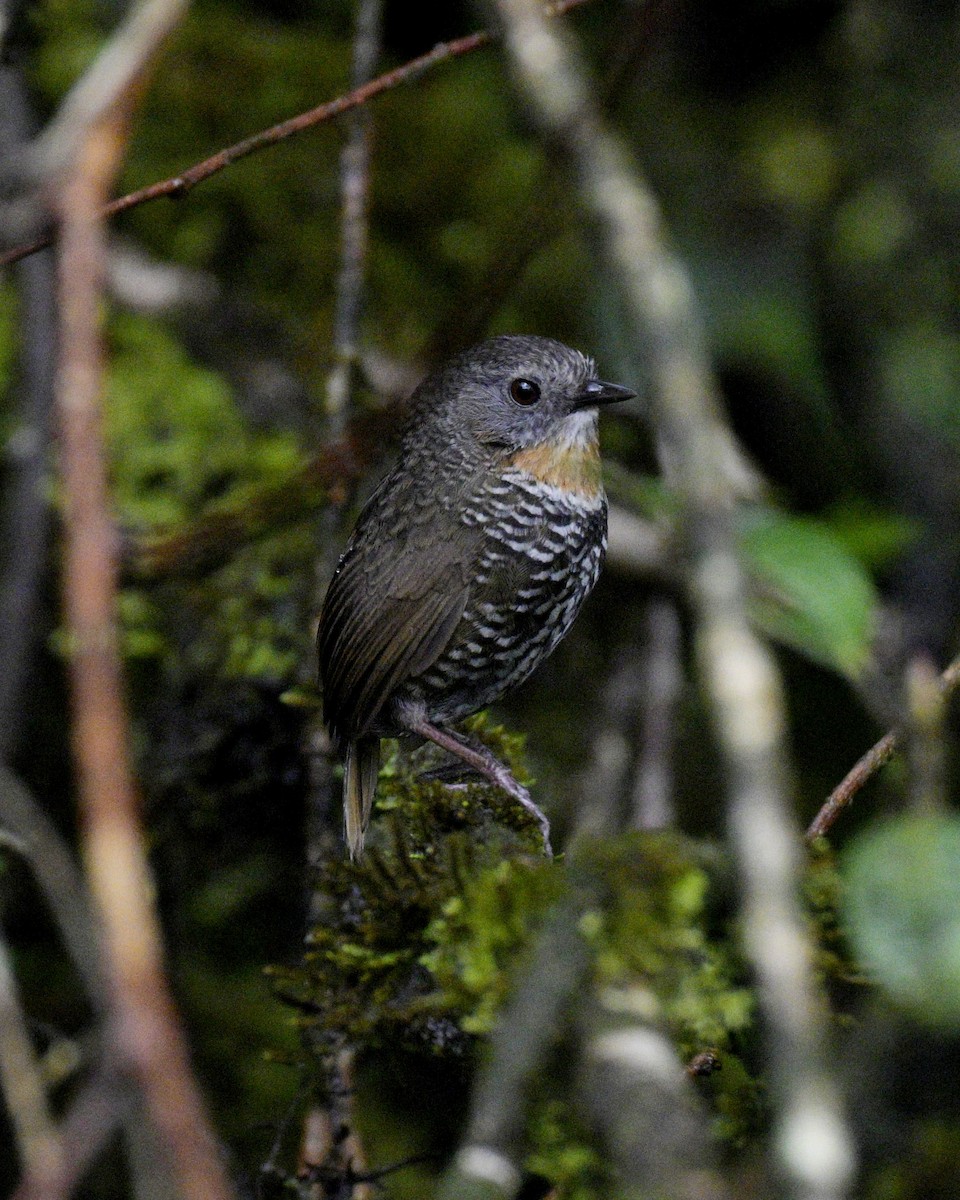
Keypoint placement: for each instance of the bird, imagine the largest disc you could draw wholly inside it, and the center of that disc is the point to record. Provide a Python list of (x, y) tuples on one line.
[(469, 562)]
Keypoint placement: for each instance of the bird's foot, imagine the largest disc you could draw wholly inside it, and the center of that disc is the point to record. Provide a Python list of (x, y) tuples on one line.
[(482, 760)]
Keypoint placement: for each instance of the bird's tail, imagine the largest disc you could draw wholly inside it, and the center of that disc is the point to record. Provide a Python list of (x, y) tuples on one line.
[(359, 785)]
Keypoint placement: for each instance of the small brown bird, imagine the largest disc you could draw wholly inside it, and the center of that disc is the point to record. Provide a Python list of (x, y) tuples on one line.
[(469, 562)]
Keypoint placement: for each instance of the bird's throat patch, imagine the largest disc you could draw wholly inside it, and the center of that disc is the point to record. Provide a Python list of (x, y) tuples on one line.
[(569, 467)]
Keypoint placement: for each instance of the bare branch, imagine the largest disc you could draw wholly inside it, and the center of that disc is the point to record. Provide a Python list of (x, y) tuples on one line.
[(179, 185), (91, 1120), (814, 1147), (638, 1094), (354, 192), (867, 766), (488, 1162), (662, 683), (59, 880)]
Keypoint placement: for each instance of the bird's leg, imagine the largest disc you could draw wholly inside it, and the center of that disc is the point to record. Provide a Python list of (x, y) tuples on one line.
[(484, 761)]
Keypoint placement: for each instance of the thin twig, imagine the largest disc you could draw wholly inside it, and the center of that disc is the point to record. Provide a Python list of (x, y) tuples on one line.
[(178, 185), (852, 782), (813, 1144), (867, 766), (339, 1150), (59, 879), (354, 195)]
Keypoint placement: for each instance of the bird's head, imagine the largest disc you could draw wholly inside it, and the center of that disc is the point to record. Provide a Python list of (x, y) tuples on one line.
[(514, 393)]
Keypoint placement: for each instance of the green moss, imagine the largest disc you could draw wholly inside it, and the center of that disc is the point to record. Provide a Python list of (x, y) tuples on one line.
[(422, 943), (180, 450), (177, 440), (652, 933), (364, 976), (483, 932), (565, 1152)]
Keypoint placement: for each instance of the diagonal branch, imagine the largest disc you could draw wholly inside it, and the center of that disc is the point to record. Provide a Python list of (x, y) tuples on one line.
[(868, 764), (179, 185)]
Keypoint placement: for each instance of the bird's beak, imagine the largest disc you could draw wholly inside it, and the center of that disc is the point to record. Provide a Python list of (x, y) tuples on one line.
[(597, 392)]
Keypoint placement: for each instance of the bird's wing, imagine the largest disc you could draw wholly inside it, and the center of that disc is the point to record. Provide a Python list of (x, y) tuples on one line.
[(391, 609)]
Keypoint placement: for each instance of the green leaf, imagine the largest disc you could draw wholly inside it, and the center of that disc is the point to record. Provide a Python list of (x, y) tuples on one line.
[(810, 592), (875, 537), (903, 912)]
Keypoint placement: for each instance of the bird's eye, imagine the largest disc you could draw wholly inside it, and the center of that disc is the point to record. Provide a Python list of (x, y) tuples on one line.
[(525, 391)]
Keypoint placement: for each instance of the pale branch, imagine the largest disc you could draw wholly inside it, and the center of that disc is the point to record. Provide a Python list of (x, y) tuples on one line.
[(111, 80), (104, 1102), (813, 1144), (91, 1120), (354, 233), (488, 1163), (337, 409), (146, 1036), (662, 683), (39, 167), (179, 185), (331, 1142), (638, 1096)]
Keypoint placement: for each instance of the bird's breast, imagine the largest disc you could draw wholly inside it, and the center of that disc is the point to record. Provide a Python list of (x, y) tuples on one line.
[(573, 469)]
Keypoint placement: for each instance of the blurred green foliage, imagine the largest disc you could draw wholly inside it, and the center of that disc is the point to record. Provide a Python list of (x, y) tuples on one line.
[(902, 903), (811, 592), (178, 442), (179, 449)]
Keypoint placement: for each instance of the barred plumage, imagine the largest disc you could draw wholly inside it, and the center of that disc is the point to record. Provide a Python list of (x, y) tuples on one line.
[(471, 560)]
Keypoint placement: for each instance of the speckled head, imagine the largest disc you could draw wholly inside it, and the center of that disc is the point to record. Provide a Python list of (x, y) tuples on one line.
[(514, 394)]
